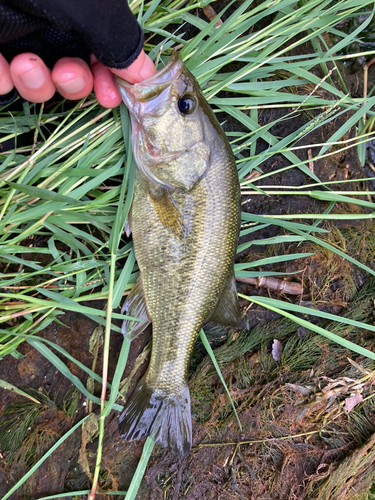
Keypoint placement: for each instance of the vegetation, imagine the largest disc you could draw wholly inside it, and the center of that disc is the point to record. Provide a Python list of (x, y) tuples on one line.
[(65, 196)]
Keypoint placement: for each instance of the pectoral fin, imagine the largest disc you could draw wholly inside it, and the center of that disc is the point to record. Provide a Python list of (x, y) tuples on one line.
[(227, 310), (135, 306), (168, 212)]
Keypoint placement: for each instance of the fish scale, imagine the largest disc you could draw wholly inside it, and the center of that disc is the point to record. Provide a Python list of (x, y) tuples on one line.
[(189, 295), (185, 223)]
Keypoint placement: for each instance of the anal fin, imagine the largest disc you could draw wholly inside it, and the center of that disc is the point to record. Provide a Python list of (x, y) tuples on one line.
[(227, 310), (135, 306)]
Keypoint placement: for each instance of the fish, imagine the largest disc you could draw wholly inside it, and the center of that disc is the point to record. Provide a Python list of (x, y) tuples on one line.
[(185, 221)]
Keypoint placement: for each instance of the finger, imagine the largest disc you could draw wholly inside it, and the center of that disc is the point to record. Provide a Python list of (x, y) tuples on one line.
[(72, 77), (31, 77), (6, 82), (104, 86), (141, 69)]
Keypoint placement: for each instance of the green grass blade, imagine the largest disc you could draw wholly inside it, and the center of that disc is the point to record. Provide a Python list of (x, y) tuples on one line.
[(324, 244), (128, 181), (123, 280), (138, 475), (337, 198), (60, 350), (315, 328), (257, 274), (76, 494), (35, 467), (210, 352), (351, 122), (45, 194), (121, 363), (97, 180), (275, 144), (267, 301), (292, 226), (272, 260), (64, 370), (10, 387)]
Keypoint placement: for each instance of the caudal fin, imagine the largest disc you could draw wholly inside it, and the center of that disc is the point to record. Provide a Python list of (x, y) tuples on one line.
[(166, 418)]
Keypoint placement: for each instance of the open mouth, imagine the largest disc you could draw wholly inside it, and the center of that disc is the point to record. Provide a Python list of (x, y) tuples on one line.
[(149, 98), (149, 89)]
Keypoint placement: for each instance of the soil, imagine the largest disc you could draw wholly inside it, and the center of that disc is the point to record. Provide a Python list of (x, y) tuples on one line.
[(298, 439)]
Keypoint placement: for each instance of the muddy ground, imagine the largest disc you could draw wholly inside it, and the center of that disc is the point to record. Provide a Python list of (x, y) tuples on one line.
[(308, 419)]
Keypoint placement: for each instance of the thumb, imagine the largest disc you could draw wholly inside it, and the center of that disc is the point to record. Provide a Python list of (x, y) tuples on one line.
[(141, 69)]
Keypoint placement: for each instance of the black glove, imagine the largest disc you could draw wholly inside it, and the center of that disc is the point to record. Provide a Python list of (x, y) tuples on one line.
[(53, 29)]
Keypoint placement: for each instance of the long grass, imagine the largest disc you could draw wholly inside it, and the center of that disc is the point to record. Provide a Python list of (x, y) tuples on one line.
[(64, 197)]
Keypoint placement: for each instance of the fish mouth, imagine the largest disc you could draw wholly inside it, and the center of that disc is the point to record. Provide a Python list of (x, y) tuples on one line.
[(151, 87), (140, 99), (153, 154)]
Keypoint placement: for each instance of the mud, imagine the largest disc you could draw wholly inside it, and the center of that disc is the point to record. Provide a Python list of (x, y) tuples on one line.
[(65, 406)]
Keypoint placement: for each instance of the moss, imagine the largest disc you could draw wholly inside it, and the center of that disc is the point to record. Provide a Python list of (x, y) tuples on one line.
[(296, 431)]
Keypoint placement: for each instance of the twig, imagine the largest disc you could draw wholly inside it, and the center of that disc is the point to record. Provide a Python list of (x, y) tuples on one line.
[(311, 163), (371, 166), (257, 441), (278, 285)]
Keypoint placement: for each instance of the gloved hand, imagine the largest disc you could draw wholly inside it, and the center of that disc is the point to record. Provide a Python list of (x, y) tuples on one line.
[(36, 35)]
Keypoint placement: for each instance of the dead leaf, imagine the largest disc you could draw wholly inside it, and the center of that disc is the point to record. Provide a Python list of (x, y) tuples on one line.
[(89, 429), (352, 401), (211, 14), (277, 349)]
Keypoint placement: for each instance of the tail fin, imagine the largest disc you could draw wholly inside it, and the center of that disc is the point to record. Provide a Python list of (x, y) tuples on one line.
[(166, 418)]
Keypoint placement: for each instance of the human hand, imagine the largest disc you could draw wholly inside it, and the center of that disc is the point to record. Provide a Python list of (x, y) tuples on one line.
[(70, 76)]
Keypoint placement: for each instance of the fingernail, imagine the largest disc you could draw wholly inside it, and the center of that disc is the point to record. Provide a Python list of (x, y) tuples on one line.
[(73, 86), (6, 82), (34, 78), (148, 69)]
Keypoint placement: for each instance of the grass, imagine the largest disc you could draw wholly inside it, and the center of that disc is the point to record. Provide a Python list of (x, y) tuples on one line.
[(289, 407), (64, 197)]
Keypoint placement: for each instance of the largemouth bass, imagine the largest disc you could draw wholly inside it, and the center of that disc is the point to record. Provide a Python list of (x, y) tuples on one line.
[(185, 221)]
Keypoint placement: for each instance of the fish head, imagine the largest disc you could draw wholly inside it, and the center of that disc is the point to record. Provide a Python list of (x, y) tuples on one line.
[(170, 121)]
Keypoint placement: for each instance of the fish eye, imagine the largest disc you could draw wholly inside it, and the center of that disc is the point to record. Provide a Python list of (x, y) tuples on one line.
[(187, 104)]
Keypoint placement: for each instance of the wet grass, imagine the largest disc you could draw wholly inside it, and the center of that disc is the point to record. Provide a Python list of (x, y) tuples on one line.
[(66, 194)]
